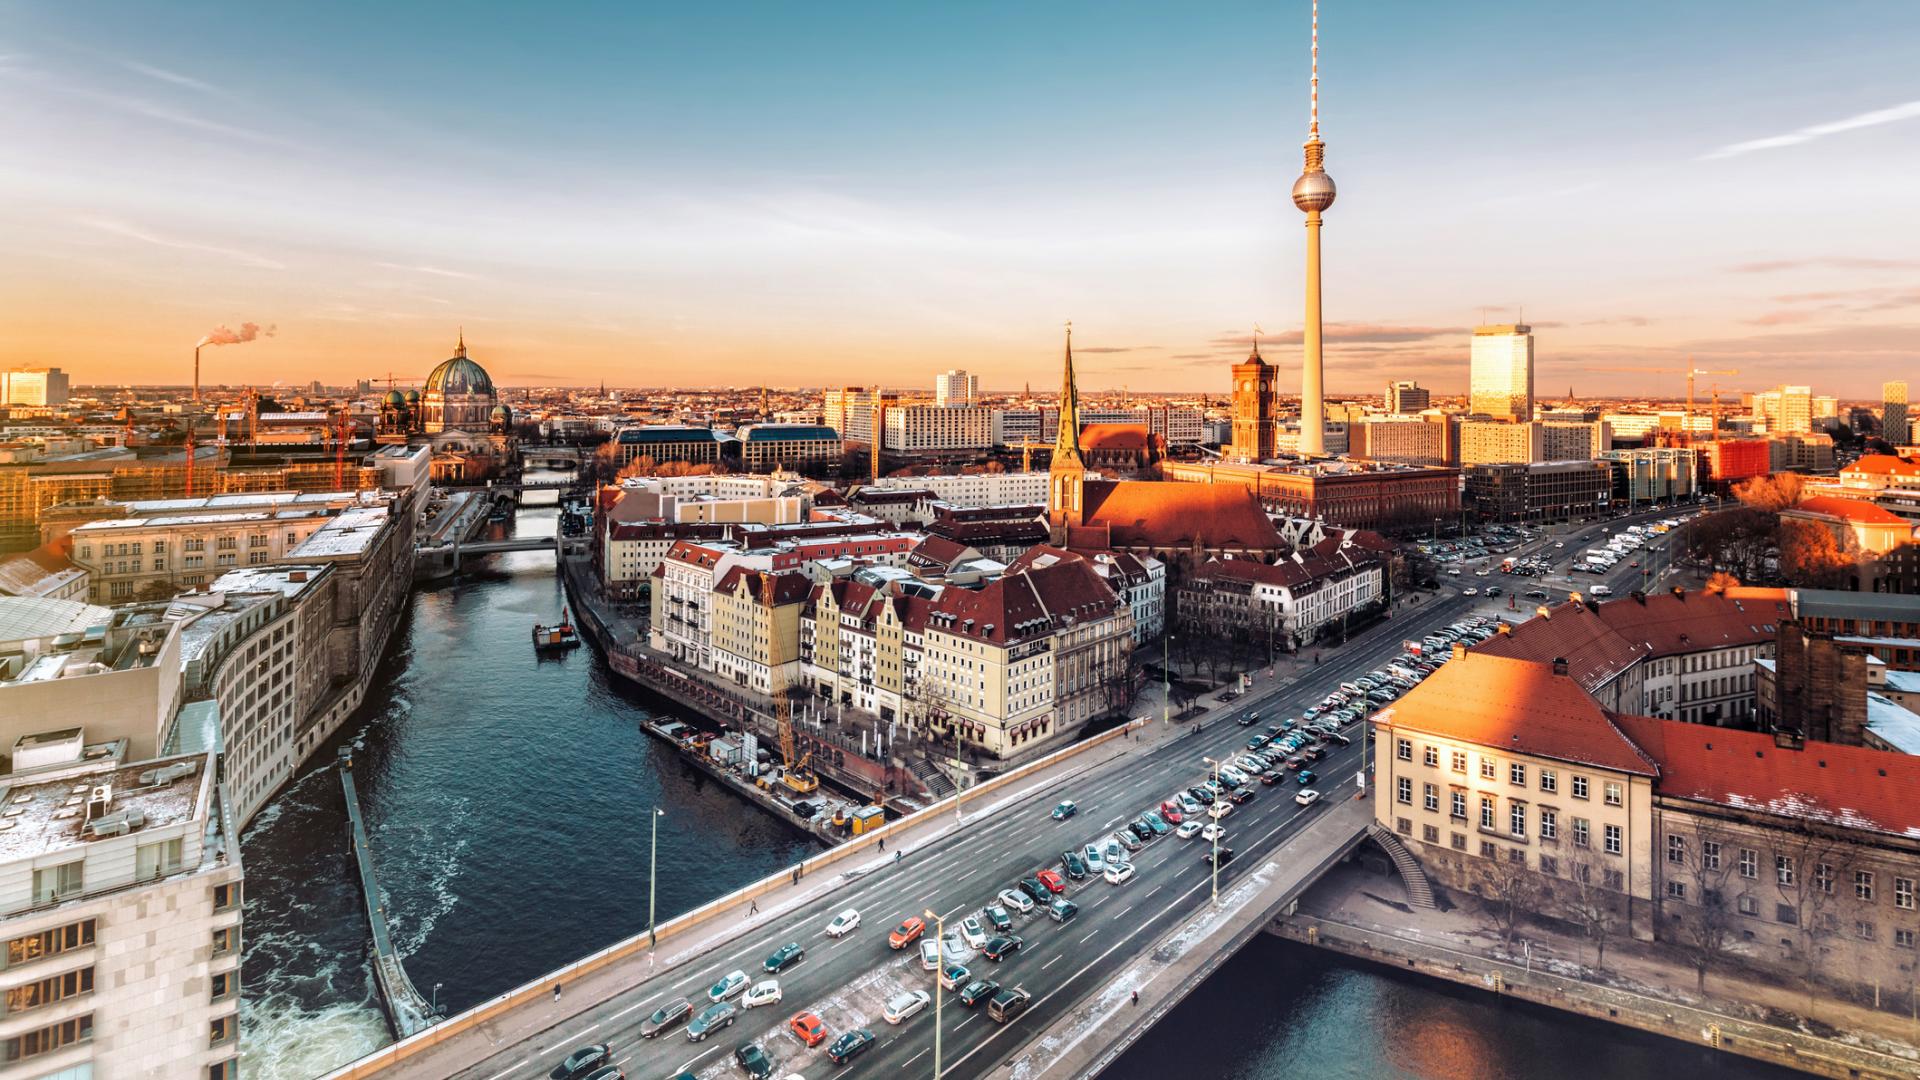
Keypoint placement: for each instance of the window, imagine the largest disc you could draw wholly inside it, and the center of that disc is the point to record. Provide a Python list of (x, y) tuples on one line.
[(1488, 768), (1549, 823), (1582, 872), (1783, 869), (1903, 939), (52, 942), (1517, 820), (1403, 790), (1430, 833), (1459, 841), (1710, 854), (1549, 866), (1749, 906), (224, 1070), (1786, 914), (1613, 794), (1459, 805), (1823, 878), (1431, 755), (1903, 893), (1863, 885), (225, 985), (1676, 890), (1459, 761), (1431, 796), (1613, 834), (1517, 774), (1613, 879), (57, 882), (226, 897), (1749, 863), (1863, 930), (34, 1043), (1549, 781), (1403, 749), (225, 940), (1582, 832), (157, 860), (1579, 787), (49, 990), (222, 1030), (1403, 826), (1676, 848), (1486, 811), (1489, 850)]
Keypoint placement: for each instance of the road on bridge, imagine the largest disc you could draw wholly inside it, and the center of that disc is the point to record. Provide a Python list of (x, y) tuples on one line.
[(847, 981)]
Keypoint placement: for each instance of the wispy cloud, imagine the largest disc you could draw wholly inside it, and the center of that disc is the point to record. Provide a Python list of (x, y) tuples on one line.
[(141, 107), (435, 271), (1824, 262), (166, 76), (1078, 349), (134, 232), (1893, 114)]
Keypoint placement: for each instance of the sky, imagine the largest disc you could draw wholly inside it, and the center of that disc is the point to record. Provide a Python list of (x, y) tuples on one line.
[(828, 194)]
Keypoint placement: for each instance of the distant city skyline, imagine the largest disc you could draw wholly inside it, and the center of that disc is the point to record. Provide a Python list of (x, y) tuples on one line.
[(771, 196)]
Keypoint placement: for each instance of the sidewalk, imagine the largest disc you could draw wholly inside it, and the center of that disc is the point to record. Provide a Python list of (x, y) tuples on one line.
[(1375, 903)]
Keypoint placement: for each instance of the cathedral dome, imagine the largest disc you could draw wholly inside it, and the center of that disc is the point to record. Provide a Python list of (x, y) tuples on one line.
[(502, 414), (459, 376), (396, 399)]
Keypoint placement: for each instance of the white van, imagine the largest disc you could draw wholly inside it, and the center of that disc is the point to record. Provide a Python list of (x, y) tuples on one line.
[(1600, 590)]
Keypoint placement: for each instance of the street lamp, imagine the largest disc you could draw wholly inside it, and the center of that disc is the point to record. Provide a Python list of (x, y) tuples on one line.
[(939, 974), (1216, 831), (1166, 681), (653, 863), (434, 1006)]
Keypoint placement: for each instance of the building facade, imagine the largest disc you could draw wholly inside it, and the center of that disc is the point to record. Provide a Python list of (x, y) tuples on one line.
[(956, 387), (766, 447), (1540, 492), (1893, 413), (34, 386), (938, 431), (1405, 397), (1354, 494), (1501, 372), (1254, 411)]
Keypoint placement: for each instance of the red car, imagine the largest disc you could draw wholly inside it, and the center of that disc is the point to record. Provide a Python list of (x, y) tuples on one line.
[(808, 1029), (1052, 880), (1171, 811)]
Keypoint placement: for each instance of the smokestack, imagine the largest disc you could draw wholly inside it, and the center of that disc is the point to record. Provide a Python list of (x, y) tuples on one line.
[(223, 335)]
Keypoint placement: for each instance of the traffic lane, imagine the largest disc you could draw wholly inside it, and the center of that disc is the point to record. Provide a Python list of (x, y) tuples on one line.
[(1140, 791)]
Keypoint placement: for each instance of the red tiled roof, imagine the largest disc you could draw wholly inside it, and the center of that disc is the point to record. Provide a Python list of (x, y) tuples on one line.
[(1883, 465), (1520, 705), (938, 551), (1850, 786), (1166, 514), (1114, 437), (1858, 511), (1600, 641), (1018, 606), (788, 588)]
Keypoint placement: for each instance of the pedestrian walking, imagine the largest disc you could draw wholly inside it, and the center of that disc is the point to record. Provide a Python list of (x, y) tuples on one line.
[(556, 991), (898, 855), (883, 843), (753, 907), (1136, 997)]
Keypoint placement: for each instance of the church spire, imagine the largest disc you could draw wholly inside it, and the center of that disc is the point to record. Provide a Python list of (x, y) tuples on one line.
[(461, 348), (1066, 444)]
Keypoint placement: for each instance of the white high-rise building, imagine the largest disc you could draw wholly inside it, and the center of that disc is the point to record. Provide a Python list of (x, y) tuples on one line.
[(1501, 383), (956, 387), (38, 386)]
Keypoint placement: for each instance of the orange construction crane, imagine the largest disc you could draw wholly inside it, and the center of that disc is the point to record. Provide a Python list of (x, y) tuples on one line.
[(794, 775), (343, 431), (189, 455), (1690, 373)]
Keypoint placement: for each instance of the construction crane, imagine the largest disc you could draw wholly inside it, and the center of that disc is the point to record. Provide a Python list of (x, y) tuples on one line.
[(795, 775), (1691, 373), (343, 431), (1027, 447)]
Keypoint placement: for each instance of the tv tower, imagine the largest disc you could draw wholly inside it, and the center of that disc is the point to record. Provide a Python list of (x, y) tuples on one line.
[(1312, 193)]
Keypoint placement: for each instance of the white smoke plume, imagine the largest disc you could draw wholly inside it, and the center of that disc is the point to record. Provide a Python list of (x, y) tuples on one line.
[(221, 335)]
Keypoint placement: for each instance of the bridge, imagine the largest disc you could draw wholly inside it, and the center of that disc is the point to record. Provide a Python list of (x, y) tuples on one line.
[(408, 1010), (550, 457), (1159, 933), (517, 485)]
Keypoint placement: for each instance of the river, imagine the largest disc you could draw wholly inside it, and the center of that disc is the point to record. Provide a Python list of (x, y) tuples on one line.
[(508, 798)]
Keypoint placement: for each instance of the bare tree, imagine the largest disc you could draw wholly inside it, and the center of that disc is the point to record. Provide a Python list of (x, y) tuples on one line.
[(1511, 891), (1593, 906), (1700, 863), (1807, 872)]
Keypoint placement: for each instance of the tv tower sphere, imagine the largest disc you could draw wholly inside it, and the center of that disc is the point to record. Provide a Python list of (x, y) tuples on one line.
[(1313, 191)]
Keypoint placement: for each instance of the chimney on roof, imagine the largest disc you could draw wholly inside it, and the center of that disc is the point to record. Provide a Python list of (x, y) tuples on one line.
[(1559, 665), (1681, 593), (1787, 738), (1459, 650)]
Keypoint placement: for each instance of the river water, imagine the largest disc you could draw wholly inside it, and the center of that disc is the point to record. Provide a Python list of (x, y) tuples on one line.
[(508, 800)]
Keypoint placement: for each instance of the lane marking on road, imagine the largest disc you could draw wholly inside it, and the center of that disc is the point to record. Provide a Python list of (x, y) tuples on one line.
[(971, 1017), (509, 1069), (1043, 967), (1122, 911), (1083, 940), (688, 1067), (916, 1057)]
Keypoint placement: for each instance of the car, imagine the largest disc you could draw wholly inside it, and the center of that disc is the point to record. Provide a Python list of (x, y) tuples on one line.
[(972, 933), (1074, 865), (1296, 762), (1096, 862), (1242, 797), (1306, 776), (1246, 720), (1272, 777), (585, 1060), (977, 991), (930, 954), (1257, 742), (1015, 900), (1218, 858), (1119, 875), (719, 1015), (1469, 592), (849, 1046), (1062, 910), (784, 957), (1007, 1005), (1201, 794), (1141, 830), (1537, 594), (1155, 822), (1033, 888), (808, 1029), (844, 923), (1312, 754), (1560, 544), (1308, 797), (1339, 738), (1187, 830), (998, 918), (1172, 813), (905, 1004), (1220, 810), (1212, 832), (955, 950), (1126, 839), (1065, 810), (733, 982), (954, 976), (906, 933), (1052, 880), (607, 1072), (670, 1015), (764, 992), (1002, 947), (754, 1061)]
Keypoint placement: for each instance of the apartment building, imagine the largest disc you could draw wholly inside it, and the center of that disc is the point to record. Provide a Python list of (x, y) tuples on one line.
[(1540, 492), (1497, 442), (1410, 440), (851, 411), (1654, 474), (155, 557), (767, 447), (922, 430), (670, 442), (1139, 580), (1406, 397), (1291, 601), (974, 489), (756, 628)]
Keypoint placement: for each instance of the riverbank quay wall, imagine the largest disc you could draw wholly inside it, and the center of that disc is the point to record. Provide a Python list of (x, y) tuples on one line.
[(408, 1011), (1700, 1027), (617, 967)]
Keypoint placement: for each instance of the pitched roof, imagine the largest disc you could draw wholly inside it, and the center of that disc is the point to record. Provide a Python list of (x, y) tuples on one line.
[(1168, 514), (1850, 786), (1858, 511), (1600, 640), (1884, 465), (1520, 705), (1116, 436), (1024, 605)]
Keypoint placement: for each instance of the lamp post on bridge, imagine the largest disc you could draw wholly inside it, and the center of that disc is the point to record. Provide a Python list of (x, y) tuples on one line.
[(653, 863), (939, 975)]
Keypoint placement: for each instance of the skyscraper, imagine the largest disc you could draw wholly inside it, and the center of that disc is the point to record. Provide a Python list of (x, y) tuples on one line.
[(33, 386), (1893, 412), (956, 387), (1404, 396), (1312, 194), (1253, 408), (1501, 381)]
